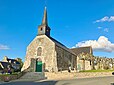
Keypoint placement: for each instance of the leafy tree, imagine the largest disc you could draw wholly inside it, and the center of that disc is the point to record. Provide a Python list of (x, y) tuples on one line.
[(20, 61)]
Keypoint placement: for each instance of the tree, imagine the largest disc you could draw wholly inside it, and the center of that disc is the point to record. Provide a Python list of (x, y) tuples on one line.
[(20, 61)]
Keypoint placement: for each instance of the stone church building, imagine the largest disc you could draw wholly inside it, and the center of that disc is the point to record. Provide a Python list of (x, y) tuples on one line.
[(45, 53), (81, 63)]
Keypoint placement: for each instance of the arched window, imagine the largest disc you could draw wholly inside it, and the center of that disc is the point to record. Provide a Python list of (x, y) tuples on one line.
[(41, 29), (39, 51)]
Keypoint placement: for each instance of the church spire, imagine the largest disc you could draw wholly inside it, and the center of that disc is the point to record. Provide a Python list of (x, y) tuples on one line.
[(44, 29), (44, 21)]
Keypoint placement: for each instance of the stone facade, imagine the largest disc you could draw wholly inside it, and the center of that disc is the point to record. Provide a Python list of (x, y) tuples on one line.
[(87, 65), (47, 55)]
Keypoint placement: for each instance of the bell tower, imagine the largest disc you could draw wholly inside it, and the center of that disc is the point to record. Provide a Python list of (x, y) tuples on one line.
[(44, 29)]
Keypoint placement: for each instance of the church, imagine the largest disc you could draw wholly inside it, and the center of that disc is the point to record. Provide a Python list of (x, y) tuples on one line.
[(45, 54)]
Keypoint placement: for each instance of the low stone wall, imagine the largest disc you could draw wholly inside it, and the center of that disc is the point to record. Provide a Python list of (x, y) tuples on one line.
[(74, 75), (92, 74), (10, 77)]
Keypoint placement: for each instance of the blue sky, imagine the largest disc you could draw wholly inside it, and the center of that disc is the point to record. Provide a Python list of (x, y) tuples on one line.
[(71, 22)]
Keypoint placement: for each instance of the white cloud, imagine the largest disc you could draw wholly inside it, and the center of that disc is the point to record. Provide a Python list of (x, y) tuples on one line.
[(111, 19), (4, 47), (105, 19), (106, 29), (99, 27), (103, 29), (102, 44)]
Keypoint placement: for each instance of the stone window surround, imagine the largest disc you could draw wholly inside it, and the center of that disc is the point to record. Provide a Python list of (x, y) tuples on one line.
[(37, 51)]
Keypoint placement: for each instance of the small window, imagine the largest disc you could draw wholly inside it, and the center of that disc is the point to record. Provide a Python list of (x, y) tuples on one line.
[(39, 51), (41, 29), (9, 61), (90, 62), (14, 62)]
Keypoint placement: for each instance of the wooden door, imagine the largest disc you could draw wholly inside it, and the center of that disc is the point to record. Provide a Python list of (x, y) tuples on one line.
[(39, 66)]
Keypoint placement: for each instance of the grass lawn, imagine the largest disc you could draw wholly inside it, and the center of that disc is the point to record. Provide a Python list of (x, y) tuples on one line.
[(97, 71)]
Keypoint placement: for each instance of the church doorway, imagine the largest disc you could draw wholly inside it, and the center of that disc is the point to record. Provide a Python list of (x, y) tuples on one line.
[(38, 65)]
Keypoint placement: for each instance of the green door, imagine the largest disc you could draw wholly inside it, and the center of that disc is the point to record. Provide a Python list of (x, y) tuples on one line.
[(39, 66)]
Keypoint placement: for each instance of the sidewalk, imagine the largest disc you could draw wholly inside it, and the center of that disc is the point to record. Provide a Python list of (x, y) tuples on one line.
[(75, 75)]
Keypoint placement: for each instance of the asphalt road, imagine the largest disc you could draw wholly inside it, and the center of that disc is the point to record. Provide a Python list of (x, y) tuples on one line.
[(85, 81)]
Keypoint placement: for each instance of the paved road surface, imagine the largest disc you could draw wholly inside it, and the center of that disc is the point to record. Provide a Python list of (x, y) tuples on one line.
[(86, 81)]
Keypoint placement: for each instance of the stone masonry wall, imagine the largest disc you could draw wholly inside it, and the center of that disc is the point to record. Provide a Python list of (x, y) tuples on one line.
[(64, 58), (80, 64), (47, 55)]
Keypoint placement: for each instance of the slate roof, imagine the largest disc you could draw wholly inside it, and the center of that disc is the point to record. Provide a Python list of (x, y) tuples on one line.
[(13, 61), (5, 64), (56, 41), (79, 50), (61, 45)]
